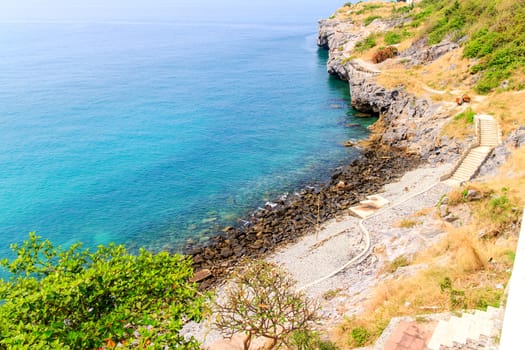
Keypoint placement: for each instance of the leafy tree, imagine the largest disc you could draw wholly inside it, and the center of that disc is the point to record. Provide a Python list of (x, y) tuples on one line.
[(77, 299), (262, 301)]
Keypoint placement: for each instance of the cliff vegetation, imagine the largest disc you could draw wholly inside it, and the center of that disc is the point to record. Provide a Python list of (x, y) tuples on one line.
[(467, 57)]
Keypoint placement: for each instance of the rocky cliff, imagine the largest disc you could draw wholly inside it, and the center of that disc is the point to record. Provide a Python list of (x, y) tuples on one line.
[(406, 120), (339, 38)]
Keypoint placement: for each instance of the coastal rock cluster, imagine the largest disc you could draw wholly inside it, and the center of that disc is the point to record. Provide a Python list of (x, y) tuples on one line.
[(339, 37), (291, 216), (406, 120), (407, 132)]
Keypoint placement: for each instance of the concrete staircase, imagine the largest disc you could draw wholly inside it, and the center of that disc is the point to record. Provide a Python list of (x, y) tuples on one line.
[(471, 330), (488, 137), (471, 163), (488, 131)]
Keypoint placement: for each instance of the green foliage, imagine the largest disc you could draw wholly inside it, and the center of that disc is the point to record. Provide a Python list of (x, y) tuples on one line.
[(511, 255), (392, 38), (402, 10), (420, 17), (452, 20), (368, 8), (481, 43), (400, 261), (487, 296), (370, 19), (327, 345), (502, 211), (77, 299), (309, 340), (366, 44), (467, 116), (457, 297), (495, 32), (262, 301), (304, 340), (360, 335)]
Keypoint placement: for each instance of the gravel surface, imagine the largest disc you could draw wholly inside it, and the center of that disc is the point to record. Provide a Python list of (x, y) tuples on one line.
[(339, 240)]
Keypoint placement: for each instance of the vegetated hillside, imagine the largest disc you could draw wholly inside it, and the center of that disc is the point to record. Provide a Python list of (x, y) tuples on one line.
[(493, 32), (470, 266), (489, 64)]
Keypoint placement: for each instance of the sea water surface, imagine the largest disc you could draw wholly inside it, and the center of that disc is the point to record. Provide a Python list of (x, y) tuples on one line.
[(149, 132)]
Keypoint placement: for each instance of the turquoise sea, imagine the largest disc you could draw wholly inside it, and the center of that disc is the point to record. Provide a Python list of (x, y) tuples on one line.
[(150, 132)]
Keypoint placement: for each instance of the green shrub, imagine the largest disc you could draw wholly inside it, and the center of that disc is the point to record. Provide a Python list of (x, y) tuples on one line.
[(368, 8), (360, 335), (420, 17), (366, 44), (481, 43), (497, 37), (467, 115), (402, 10), (77, 299), (370, 19), (392, 38)]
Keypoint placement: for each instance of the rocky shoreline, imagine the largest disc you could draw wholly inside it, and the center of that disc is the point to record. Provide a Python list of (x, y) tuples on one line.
[(407, 133), (405, 120), (290, 217)]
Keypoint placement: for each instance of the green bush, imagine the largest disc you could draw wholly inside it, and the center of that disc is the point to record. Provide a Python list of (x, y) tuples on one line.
[(368, 8), (494, 32), (402, 10), (370, 19), (467, 115), (365, 44), (481, 43), (310, 340), (77, 299), (360, 335), (392, 38)]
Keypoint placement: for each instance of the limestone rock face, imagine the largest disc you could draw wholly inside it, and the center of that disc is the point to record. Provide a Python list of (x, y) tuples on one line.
[(339, 37), (406, 120), (420, 52)]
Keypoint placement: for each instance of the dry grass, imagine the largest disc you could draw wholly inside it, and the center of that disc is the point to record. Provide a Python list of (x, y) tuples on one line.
[(407, 223), (458, 128), (477, 268), (512, 175), (461, 257), (423, 212), (507, 107), (360, 11), (442, 80)]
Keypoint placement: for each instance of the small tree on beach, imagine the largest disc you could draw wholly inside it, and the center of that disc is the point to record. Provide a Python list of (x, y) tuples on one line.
[(262, 301)]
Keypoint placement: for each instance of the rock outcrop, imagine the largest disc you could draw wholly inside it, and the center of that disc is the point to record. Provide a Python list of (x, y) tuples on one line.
[(340, 37), (287, 218), (406, 120)]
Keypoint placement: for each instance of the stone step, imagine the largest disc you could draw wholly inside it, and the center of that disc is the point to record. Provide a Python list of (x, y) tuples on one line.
[(457, 331)]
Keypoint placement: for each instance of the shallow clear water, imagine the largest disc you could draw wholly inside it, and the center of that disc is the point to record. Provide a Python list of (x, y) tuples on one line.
[(148, 133)]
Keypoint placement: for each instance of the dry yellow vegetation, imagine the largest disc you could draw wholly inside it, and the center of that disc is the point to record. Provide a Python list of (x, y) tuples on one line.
[(470, 267)]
